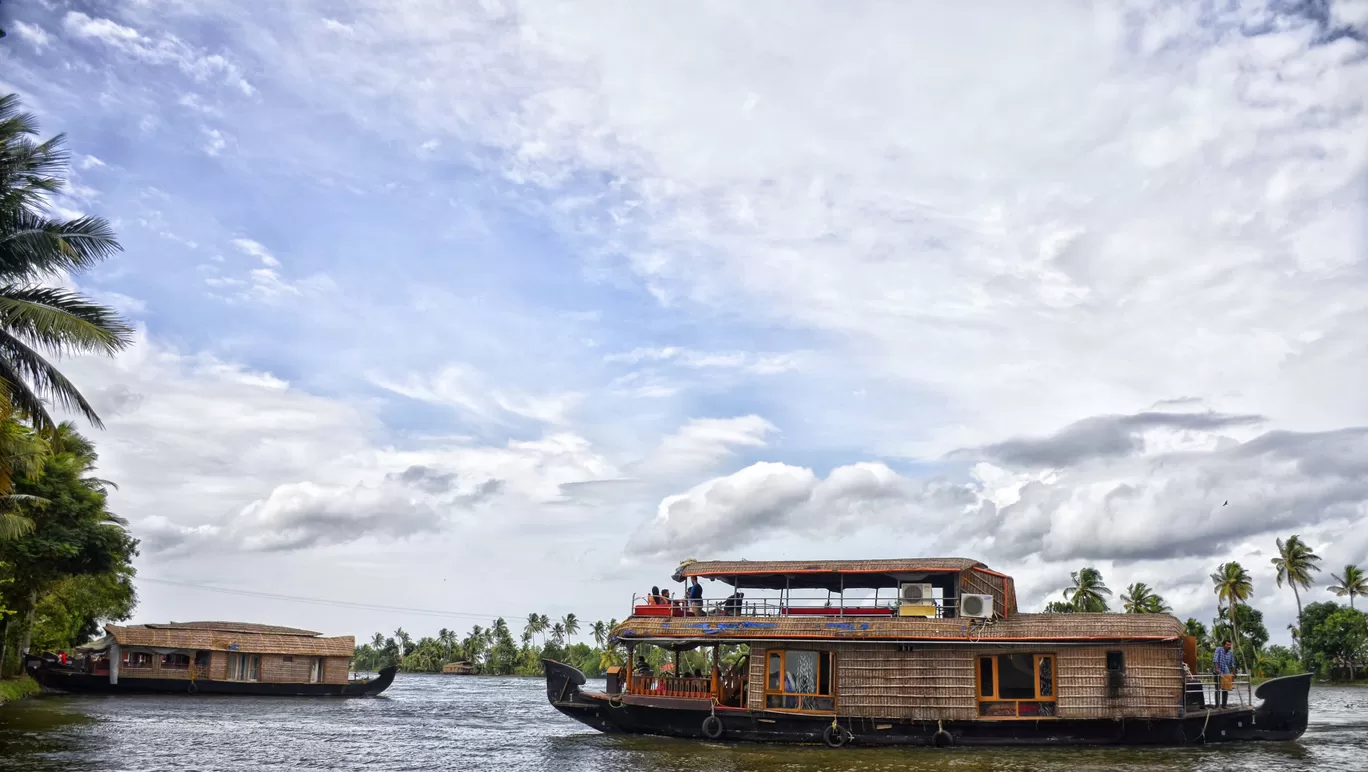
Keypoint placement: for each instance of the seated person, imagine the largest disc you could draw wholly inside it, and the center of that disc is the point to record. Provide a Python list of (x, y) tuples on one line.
[(732, 605), (654, 598)]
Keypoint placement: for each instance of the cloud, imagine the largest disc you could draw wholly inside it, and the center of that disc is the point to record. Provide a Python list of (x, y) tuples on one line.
[(257, 250), (164, 49), (703, 442), (214, 142), (90, 162), (33, 34), (763, 364), (1102, 437), (463, 388)]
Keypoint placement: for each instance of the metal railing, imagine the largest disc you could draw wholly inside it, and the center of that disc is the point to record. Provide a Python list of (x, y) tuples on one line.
[(1208, 685), (790, 605)]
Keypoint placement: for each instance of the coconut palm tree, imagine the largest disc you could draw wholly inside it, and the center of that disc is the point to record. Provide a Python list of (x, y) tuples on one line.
[(534, 625), (37, 321), (1088, 590), (1352, 583), (558, 633), (21, 454), (1295, 562), (571, 624), (1140, 599), (600, 632), (404, 641), (1233, 587)]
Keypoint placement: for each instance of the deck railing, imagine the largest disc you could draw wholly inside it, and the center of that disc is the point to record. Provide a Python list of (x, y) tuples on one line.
[(1241, 692), (667, 685), (793, 605)]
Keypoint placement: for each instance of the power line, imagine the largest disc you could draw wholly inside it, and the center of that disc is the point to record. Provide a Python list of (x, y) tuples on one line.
[(326, 602)]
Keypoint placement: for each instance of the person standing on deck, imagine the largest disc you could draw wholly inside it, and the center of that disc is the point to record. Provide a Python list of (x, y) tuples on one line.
[(1223, 662), (695, 592)]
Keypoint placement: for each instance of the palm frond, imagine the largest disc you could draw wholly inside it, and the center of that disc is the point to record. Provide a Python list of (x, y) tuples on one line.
[(14, 526), (28, 376), (33, 245), (61, 322)]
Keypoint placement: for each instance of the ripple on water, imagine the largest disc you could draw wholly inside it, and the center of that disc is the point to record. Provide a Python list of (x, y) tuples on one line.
[(475, 723)]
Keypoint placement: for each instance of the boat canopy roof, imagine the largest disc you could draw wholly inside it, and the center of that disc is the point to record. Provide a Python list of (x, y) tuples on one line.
[(823, 574), (228, 636)]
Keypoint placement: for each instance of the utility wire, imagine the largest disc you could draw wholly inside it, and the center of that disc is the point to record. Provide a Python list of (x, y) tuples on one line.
[(326, 602)]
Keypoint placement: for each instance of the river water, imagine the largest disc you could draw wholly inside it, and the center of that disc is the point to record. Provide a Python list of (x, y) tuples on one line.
[(477, 723)]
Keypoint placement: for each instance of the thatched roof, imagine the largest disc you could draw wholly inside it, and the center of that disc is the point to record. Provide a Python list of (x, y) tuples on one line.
[(855, 573), (1020, 627), (231, 636)]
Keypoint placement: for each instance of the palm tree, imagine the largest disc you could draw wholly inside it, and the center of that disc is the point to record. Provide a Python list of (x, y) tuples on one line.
[(1087, 590), (1140, 599), (1233, 587), (21, 454), (600, 631), (558, 633), (378, 642), (533, 626), (571, 624), (404, 641), (1295, 562), (1353, 582), (37, 320), (545, 623)]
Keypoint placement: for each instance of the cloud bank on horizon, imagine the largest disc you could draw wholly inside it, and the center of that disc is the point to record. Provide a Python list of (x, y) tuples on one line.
[(518, 294)]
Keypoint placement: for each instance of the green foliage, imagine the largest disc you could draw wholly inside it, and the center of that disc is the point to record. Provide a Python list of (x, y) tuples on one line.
[(1139, 598), (75, 608), (1088, 592), (1334, 638), (1253, 633), (36, 320), (1059, 607), (12, 689), (1353, 583)]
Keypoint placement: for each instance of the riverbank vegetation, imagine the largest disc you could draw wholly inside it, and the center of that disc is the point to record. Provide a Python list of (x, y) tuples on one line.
[(1328, 638), (65, 559), (12, 689), (493, 650)]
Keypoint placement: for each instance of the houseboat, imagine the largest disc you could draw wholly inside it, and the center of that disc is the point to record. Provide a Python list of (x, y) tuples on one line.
[(460, 667), (928, 651), (212, 658)]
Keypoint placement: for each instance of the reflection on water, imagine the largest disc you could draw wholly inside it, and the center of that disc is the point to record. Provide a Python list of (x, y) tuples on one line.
[(472, 723)]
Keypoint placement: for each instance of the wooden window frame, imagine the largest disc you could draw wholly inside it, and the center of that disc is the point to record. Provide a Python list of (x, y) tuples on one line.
[(783, 662), (129, 657), (233, 668), (1036, 658), (165, 665)]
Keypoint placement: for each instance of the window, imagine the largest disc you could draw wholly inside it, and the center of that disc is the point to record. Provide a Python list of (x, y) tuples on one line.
[(136, 659), (1016, 686), (202, 659), (175, 661), (244, 667), (1116, 662), (287, 658), (800, 680)]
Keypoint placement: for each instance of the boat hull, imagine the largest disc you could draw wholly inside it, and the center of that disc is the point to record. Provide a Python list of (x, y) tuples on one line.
[(1281, 717), (76, 682)]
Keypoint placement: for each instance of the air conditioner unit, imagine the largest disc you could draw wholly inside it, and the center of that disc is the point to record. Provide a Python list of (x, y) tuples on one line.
[(916, 594), (976, 606)]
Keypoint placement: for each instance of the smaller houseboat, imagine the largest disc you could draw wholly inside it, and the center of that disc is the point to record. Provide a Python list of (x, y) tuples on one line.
[(461, 667), (212, 658)]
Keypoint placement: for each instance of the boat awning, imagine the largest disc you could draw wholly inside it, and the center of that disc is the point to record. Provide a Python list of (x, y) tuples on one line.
[(96, 646), (822, 574)]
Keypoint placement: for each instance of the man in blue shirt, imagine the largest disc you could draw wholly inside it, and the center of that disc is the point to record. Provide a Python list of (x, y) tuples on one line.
[(695, 592), (1223, 662)]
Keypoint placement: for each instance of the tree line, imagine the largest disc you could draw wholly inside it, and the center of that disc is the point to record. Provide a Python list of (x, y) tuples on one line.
[(1328, 638), (493, 650), (65, 559)]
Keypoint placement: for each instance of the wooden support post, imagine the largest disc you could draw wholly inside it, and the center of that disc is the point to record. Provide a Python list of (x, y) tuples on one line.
[(716, 680), (630, 647)]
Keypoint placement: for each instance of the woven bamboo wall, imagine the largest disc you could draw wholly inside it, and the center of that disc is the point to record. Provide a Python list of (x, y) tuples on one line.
[(1153, 689), (755, 683), (926, 683), (979, 583)]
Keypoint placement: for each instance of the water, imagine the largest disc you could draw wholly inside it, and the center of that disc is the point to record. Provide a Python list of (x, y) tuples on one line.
[(474, 723)]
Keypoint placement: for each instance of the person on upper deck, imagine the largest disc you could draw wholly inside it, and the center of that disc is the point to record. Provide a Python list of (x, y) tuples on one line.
[(1223, 662), (732, 605), (654, 598), (695, 593)]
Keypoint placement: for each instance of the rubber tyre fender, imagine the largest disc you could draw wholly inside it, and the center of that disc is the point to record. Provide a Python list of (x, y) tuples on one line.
[(835, 736), (192, 688), (712, 727), (942, 739)]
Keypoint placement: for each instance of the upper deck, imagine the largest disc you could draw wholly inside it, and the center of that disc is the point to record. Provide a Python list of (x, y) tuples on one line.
[(905, 587)]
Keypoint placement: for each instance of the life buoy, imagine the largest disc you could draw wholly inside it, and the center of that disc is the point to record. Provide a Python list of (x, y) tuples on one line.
[(712, 727), (834, 736)]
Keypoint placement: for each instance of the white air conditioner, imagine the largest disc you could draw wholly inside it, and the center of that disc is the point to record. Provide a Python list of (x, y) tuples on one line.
[(976, 606), (916, 594)]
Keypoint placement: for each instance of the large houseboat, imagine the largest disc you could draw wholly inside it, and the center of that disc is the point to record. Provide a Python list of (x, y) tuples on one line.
[(212, 658), (929, 651)]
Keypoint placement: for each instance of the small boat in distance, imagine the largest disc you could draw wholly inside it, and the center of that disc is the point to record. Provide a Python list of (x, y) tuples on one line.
[(460, 667), (921, 651), (212, 658)]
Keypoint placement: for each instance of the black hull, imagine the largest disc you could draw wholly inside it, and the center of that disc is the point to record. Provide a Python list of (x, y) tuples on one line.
[(76, 682), (1281, 717)]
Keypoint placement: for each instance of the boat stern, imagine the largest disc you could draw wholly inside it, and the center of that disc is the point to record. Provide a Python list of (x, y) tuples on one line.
[(1285, 708)]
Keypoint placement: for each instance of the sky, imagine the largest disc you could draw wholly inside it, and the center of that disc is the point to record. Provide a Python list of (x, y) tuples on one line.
[(496, 308)]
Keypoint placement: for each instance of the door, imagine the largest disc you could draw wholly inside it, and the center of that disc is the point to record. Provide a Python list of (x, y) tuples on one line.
[(316, 671)]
